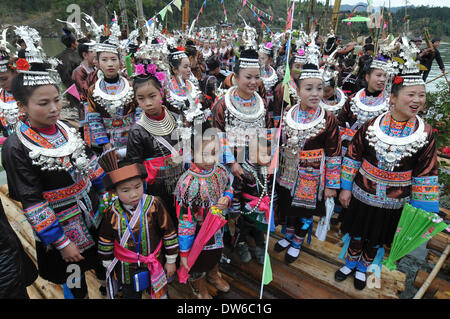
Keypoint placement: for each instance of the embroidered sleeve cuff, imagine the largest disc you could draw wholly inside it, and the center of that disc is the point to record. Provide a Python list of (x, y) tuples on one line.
[(333, 172), (184, 253), (425, 193), (63, 242), (44, 223), (230, 197), (349, 170)]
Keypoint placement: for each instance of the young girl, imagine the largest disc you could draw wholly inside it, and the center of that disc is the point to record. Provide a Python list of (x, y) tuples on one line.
[(251, 201), (111, 108), (153, 139), (310, 160), (390, 161), (135, 232), (56, 178), (204, 185)]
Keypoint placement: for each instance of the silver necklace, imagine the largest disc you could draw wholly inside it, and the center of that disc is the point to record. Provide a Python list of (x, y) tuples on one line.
[(298, 133), (393, 149), (112, 102), (70, 155), (336, 107), (159, 128), (365, 112)]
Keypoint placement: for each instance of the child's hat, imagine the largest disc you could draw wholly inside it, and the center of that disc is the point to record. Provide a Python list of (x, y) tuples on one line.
[(114, 174)]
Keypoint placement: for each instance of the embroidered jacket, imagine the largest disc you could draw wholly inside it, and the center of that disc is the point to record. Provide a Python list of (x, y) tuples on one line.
[(314, 167), (59, 205), (157, 226), (109, 128), (415, 180), (195, 193)]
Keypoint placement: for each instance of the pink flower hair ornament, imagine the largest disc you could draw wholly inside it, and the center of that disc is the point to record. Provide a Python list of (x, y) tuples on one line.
[(151, 69)]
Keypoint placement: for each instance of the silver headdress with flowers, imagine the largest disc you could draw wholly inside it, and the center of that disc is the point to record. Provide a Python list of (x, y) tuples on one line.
[(113, 43), (409, 68), (35, 54), (312, 54)]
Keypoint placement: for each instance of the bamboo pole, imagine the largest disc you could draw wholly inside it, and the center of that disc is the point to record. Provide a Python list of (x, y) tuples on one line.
[(438, 77), (433, 274)]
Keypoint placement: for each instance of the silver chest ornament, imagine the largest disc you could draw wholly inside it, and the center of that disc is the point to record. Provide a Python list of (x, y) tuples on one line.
[(243, 123), (298, 133), (391, 150), (112, 103), (365, 112), (69, 156)]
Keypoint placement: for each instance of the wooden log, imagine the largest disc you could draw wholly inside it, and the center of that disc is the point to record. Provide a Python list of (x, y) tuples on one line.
[(433, 257), (433, 274), (439, 242), (437, 284), (442, 295), (323, 271)]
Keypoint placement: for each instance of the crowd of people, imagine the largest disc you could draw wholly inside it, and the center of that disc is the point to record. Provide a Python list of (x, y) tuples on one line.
[(178, 131)]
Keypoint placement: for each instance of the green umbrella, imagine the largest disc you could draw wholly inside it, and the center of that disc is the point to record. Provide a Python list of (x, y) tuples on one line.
[(414, 228), (356, 19)]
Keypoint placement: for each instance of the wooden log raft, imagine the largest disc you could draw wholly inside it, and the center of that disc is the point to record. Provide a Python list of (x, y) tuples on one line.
[(438, 284), (319, 261)]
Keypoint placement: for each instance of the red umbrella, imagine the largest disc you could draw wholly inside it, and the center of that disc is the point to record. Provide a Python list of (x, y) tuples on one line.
[(213, 222)]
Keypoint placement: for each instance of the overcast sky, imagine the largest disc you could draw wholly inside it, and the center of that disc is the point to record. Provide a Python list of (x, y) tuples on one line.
[(399, 3)]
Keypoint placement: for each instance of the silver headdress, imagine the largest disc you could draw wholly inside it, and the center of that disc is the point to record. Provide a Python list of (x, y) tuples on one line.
[(408, 66), (4, 52), (266, 48), (77, 28), (35, 54), (154, 48), (112, 44), (249, 38), (95, 30), (312, 53)]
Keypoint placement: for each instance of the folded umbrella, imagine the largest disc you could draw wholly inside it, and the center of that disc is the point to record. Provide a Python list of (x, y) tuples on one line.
[(213, 222)]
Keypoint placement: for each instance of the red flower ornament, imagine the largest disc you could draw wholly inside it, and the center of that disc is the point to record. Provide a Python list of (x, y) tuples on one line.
[(22, 65), (398, 79)]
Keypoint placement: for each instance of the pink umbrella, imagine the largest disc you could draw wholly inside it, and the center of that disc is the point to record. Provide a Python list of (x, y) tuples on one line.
[(213, 222)]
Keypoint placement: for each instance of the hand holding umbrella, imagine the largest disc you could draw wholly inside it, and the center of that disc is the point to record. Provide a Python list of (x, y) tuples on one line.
[(213, 222)]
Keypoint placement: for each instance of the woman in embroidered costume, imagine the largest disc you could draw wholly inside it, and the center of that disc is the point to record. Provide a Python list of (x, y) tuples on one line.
[(204, 185), (268, 75), (310, 159), (9, 112), (366, 104), (111, 107), (224, 54), (137, 235), (241, 113), (390, 161), (56, 178), (153, 138), (181, 92)]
